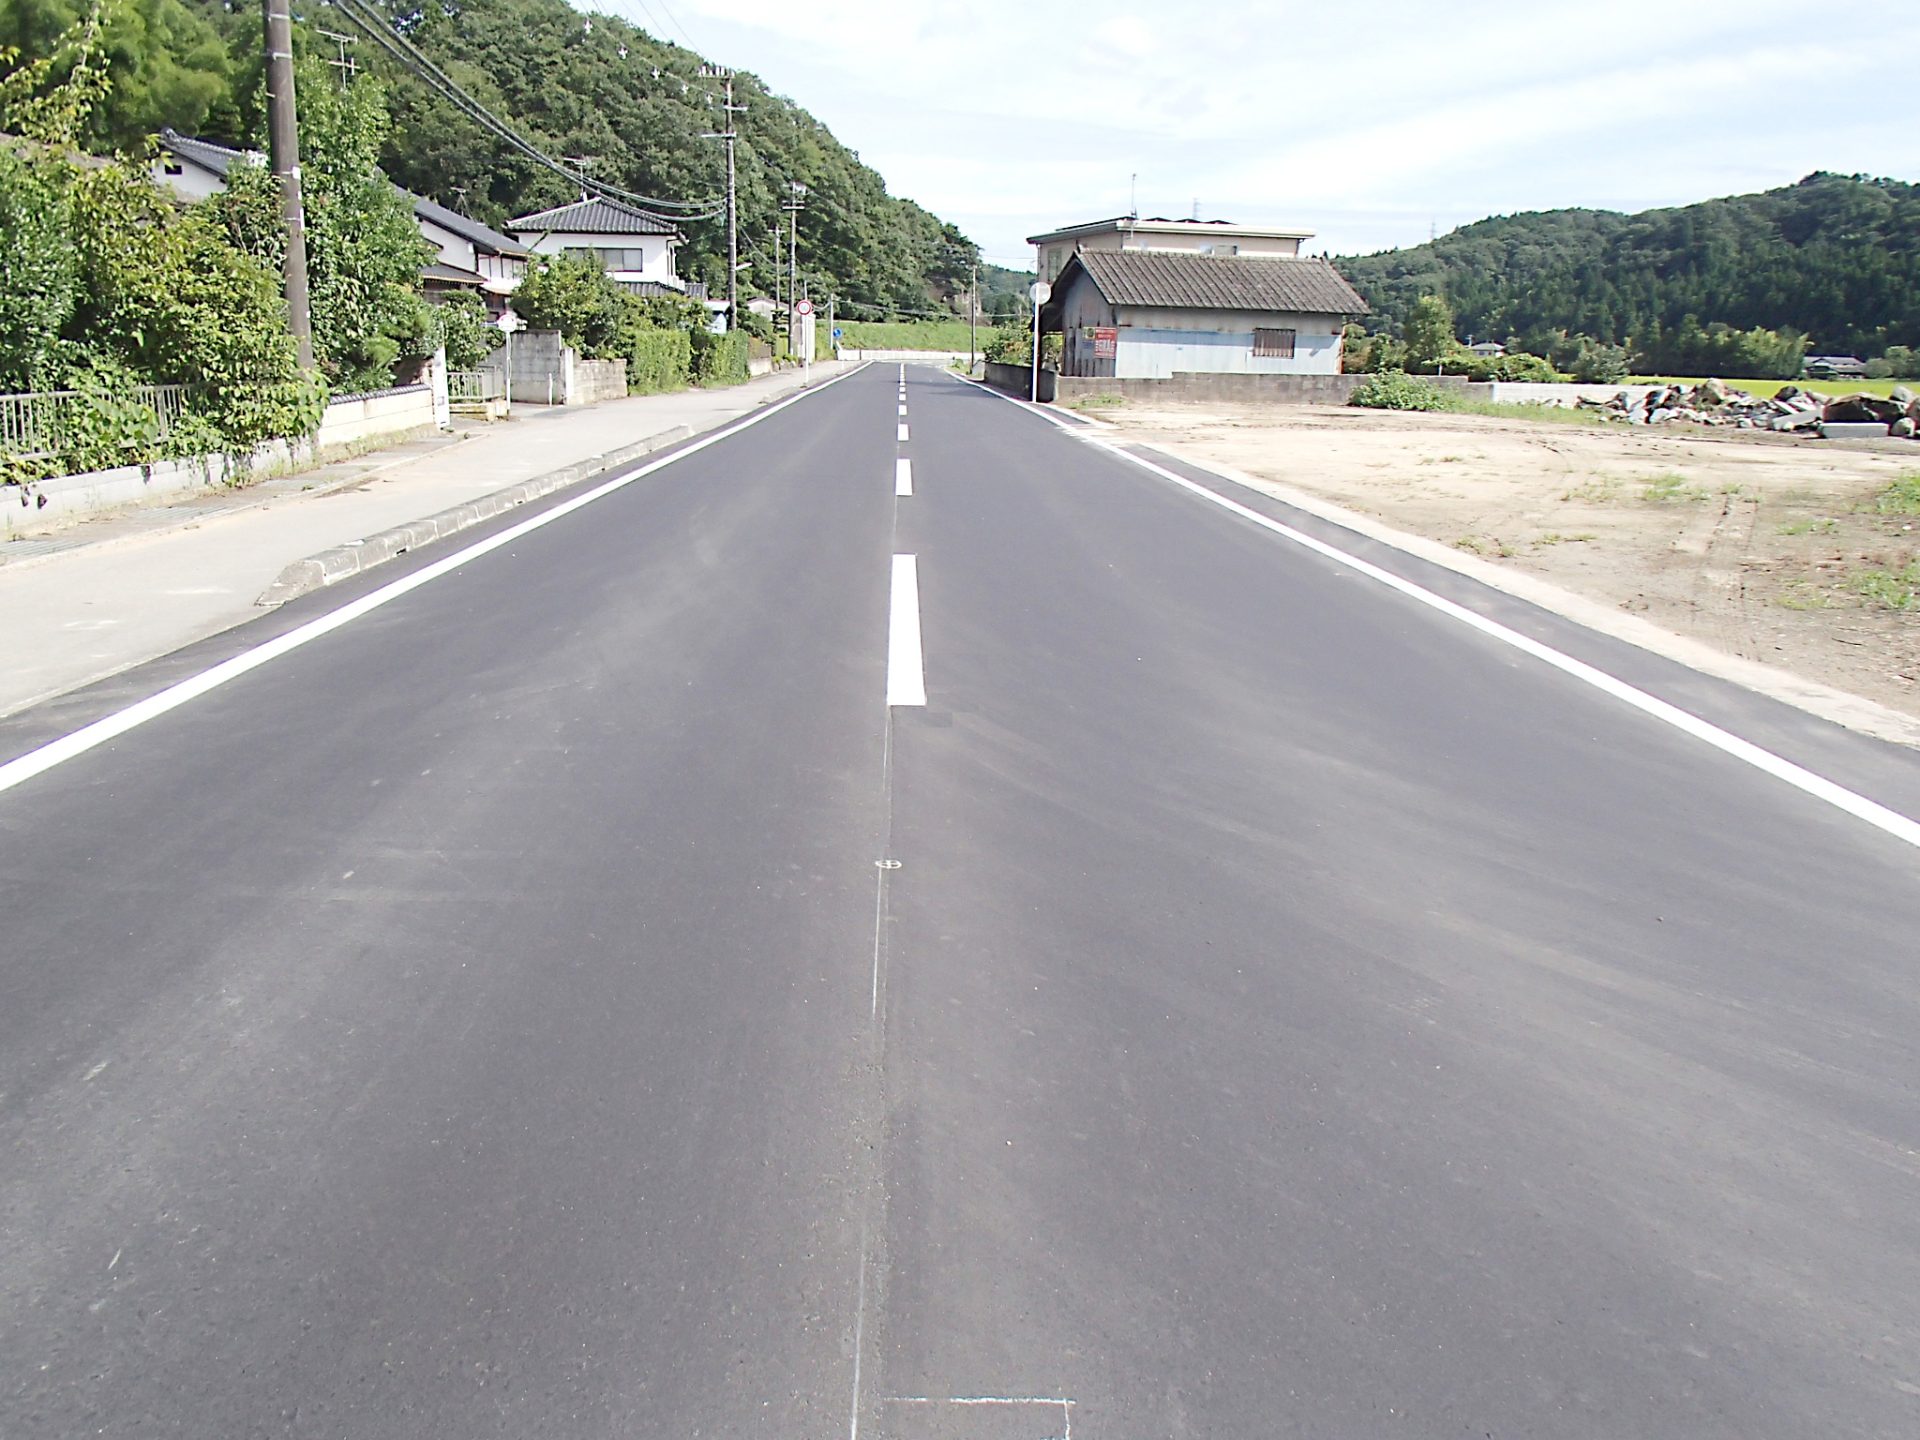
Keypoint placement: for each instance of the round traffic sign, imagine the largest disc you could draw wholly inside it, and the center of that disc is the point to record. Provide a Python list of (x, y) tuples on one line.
[(805, 307), (1040, 291)]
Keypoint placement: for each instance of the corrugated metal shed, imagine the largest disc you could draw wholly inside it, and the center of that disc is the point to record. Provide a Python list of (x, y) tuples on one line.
[(596, 216), (1168, 280)]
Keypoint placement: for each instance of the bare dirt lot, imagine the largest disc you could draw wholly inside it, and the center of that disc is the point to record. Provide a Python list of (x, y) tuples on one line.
[(1796, 553)]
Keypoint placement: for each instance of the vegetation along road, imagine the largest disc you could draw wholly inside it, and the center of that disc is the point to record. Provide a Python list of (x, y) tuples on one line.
[(924, 925)]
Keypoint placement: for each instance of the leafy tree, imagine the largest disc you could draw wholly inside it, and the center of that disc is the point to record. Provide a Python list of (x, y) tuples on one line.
[(108, 286), (462, 325), (1832, 257), (169, 64), (1429, 333), (364, 249)]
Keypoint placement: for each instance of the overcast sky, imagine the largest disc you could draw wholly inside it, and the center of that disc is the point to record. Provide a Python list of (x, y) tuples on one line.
[(1370, 122)]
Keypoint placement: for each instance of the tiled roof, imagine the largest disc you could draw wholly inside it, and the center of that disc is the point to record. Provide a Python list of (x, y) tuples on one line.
[(596, 216), (492, 242), (1171, 280), (443, 274), (204, 153)]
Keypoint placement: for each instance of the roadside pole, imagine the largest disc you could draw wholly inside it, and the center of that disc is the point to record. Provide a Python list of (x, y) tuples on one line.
[(973, 315), (283, 141), (1041, 293)]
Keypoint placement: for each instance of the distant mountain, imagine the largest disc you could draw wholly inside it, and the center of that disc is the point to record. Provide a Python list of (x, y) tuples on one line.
[(1836, 257)]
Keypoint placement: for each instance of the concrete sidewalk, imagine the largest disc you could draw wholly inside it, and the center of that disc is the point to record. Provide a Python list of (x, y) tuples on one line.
[(97, 597)]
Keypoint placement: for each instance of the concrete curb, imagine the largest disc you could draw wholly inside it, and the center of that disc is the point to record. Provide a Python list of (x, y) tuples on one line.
[(329, 567)]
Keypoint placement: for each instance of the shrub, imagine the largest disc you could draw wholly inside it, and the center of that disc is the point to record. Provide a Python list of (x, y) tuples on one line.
[(718, 359), (656, 359), (462, 325), (1396, 390)]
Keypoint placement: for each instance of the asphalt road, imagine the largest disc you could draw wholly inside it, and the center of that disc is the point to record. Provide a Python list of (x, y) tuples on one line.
[(568, 999)]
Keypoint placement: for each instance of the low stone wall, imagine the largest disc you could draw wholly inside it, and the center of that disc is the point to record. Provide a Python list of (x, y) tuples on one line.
[(1517, 392), (1242, 389), (597, 380), (386, 415), (352, 418), (1018, 380)]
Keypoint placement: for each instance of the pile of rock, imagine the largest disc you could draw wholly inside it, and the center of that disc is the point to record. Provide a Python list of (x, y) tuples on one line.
[(1713, 402)]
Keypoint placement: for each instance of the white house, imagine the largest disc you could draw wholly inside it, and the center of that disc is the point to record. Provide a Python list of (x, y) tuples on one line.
[(1182, 237), (1145, 314), (469, 256), (635, 247), (194, 169)]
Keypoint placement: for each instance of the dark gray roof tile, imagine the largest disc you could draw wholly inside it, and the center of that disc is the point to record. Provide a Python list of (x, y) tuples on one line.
[(1170, 280), (595, 216)]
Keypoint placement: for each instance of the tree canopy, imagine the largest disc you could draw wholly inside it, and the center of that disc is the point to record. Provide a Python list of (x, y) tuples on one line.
[(634, 108), (1834, 257)]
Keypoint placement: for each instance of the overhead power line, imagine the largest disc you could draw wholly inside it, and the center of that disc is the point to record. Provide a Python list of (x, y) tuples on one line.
[(401, 49)]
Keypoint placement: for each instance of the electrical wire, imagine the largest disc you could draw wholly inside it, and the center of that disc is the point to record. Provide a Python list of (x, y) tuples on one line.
[(403, 50)]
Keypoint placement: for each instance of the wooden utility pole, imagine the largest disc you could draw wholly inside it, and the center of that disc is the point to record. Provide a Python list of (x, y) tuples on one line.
[(796, 202), (283, 140), (973, 315), (729, 135)]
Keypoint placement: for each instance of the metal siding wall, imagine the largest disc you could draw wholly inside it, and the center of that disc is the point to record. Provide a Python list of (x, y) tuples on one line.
[(1161, 354)]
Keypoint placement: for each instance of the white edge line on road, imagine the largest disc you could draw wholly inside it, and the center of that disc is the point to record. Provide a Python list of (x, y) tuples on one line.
[(1882, 818), (903, 476), (906, 668), (110, 727)]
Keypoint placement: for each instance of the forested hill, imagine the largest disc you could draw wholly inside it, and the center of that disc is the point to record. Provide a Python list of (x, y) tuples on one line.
[(1836, 257), (577, 84)]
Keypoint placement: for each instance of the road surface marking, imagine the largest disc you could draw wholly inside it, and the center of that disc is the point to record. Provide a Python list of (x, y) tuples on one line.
[(109, 727), (906, 670), (1066, 1406), (903, 430), (903, 407), (1881, 817), (903, 476)]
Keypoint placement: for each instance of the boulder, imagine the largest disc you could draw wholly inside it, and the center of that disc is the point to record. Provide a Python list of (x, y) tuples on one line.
[(1903, 427), (1710, 392), (1902, 395), (1852, 410)]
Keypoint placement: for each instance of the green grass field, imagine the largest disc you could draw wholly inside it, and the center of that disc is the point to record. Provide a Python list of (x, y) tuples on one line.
[(1765, 388), (908, 334)]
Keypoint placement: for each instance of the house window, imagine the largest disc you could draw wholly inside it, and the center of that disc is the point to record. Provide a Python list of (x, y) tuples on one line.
[(1222, 250), (1273, 344)]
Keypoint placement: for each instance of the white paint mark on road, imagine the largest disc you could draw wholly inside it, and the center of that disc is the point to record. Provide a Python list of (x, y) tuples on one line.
[(1065, 1405), (903, 407), (903, 431), (110, 727), (903, 476), (906, 671), (1881, 817), (94, 1073)]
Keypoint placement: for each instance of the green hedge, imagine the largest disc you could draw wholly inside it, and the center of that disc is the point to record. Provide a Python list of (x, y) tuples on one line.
[(657, 360), (719, 359)]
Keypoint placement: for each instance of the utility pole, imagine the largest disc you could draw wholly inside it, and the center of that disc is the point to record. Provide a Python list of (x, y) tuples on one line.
[(795, 204), (283, 140), (973, 314), (773, 237), (729, 135)]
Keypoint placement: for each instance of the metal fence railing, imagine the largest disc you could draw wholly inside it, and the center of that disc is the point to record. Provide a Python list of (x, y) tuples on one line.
[(42, 423), (474, 389)]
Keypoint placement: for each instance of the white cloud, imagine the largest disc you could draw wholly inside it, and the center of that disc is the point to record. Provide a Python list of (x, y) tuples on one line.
[(1369, 121)]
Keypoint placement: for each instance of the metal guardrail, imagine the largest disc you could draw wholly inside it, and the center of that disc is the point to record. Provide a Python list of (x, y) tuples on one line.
[(474, 389), (38, 424)]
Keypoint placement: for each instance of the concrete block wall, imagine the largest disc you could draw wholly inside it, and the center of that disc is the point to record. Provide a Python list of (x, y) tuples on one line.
[(596, 380), (1232, 389)]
